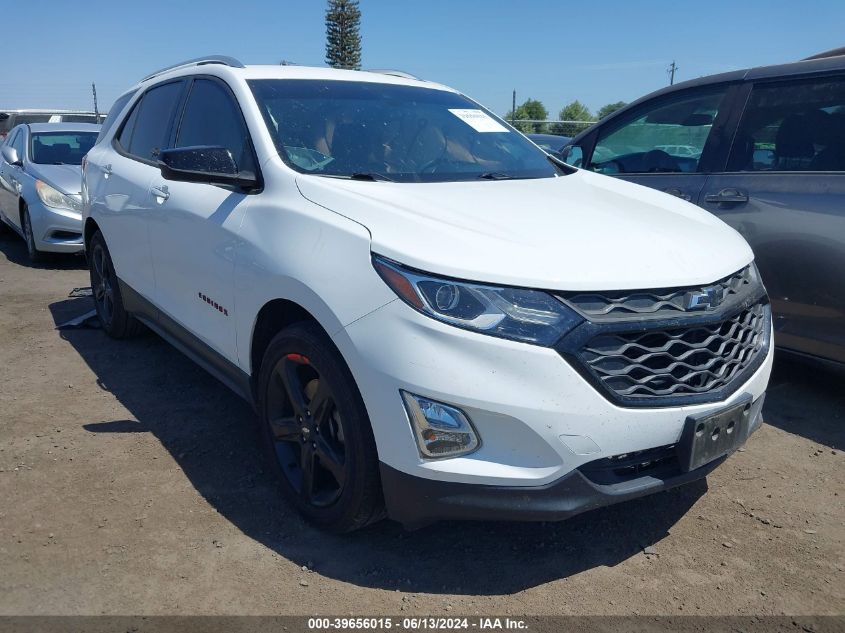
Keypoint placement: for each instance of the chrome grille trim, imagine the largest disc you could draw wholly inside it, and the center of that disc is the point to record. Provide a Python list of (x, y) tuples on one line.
[(662, 303)]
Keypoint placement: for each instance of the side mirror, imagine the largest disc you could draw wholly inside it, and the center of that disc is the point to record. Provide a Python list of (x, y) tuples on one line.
[(572, 155), (203, 163), (10, 155)]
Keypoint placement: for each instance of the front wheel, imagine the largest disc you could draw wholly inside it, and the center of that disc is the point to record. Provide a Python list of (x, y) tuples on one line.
[(32, 251), (114, 318), (317, 430)]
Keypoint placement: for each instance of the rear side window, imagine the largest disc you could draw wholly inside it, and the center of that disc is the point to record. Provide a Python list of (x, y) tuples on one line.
[(151, 121), (212, 117), (664, 136), (792, 126), (116, 109)]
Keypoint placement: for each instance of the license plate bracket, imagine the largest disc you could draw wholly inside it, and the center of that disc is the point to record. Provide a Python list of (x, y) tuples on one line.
[(713, 435)]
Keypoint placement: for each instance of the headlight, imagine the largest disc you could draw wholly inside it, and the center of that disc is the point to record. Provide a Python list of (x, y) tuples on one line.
[(530, 316), (55, 199)]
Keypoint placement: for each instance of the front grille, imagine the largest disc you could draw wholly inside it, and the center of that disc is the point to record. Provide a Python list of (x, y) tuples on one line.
[(663, 303), (673, 362)]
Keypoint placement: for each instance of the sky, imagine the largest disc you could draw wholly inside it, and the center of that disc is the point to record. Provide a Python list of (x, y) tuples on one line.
[(598, 52)]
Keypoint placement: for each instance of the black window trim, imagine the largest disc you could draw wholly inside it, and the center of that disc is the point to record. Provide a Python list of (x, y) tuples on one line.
[(177, 127), (137, 104)]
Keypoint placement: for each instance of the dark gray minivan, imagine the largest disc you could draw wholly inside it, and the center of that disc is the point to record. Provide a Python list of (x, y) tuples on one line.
[(763, 149)]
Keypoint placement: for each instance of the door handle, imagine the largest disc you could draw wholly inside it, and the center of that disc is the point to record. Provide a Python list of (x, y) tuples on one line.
[(729, 196), (106, 170), (160, 192), (674, 191)]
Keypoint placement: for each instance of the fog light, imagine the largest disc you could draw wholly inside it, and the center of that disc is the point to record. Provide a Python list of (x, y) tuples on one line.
[(440, 430)]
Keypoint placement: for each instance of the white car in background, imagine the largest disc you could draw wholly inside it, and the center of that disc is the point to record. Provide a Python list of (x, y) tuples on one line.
[(433, 318)]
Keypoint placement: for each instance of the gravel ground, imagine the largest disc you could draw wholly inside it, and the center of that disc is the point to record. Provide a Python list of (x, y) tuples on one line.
[(131, 482)]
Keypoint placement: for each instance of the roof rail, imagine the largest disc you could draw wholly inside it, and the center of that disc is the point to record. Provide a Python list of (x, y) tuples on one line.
[(393, 73), (199, 61), (834, 52)]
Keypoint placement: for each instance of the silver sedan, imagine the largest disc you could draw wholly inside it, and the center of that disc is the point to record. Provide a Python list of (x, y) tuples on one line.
[(40, 180)]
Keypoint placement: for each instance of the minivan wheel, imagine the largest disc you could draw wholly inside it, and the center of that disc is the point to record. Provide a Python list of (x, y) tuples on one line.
[(317, 430), (34, 254), (114, 318)]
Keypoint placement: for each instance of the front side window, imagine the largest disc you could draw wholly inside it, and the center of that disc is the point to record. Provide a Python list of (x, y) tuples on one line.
[(212, 117), (114, 112), (792, 126), (150, 121), (61, 148), (402, 133), (666, 137)]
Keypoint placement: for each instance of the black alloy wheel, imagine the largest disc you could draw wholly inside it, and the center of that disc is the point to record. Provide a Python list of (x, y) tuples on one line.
[(317, 430)]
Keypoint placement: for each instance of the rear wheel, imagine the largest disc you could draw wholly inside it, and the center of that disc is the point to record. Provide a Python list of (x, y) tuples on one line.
[(114, 318), (318, 432), (35, 255)]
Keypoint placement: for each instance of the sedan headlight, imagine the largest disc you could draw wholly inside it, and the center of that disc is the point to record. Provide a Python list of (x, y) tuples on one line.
[(55, 199), (524, 315)]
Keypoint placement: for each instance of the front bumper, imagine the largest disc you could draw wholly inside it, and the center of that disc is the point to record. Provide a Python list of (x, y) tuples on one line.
[(540, 422), (55, 230)]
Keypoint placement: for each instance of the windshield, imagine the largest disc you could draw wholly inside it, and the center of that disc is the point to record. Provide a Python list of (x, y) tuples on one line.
[(61, 148), (392, 132)]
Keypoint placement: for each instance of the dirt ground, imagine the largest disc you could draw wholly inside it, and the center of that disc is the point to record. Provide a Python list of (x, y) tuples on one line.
[(131, 482)]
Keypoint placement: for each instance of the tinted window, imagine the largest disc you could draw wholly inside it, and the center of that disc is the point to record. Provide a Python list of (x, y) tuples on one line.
[(155, 114), (61, 148), (116, 109), (792, 126), (212, 117), (403, 133), (667, 136), (125, 135)]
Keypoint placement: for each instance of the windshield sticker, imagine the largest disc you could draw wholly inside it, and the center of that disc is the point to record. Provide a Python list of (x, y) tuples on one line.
[(479, 120)]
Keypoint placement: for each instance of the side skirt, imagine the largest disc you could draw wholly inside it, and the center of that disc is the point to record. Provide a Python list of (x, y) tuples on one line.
[(191, 346)]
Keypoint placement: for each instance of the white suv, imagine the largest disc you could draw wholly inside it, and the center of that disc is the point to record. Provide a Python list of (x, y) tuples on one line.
[(432, 317)]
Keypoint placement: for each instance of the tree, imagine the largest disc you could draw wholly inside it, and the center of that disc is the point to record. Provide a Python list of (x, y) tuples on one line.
[(575, 111), (343, 36), (610, 108), (531, 109)]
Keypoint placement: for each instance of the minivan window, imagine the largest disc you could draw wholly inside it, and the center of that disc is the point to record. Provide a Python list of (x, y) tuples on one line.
[(667, 136), (211, 117), (61, 148), (116, 109), (395, 132), (792, 126), (152, 127)]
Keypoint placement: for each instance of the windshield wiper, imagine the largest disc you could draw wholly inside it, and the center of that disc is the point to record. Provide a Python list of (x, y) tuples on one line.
[(495, 175), (372, 176)]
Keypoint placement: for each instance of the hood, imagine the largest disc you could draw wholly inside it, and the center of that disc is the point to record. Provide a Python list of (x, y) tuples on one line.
[(65, 178), (583, 231)]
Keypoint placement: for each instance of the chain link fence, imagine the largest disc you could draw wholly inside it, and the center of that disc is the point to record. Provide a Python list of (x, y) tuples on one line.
[(561, 128)]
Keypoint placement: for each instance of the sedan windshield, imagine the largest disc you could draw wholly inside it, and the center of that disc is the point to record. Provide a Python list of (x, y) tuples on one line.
[(380, 131), (61, 148)]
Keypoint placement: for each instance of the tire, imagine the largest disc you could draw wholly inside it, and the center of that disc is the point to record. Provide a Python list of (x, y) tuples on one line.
[(114, 318), (35, 256), (334, 440)]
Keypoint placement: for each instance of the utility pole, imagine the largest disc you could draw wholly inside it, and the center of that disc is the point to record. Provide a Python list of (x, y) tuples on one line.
[(671, 70), (96, 111), (513, 108)]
